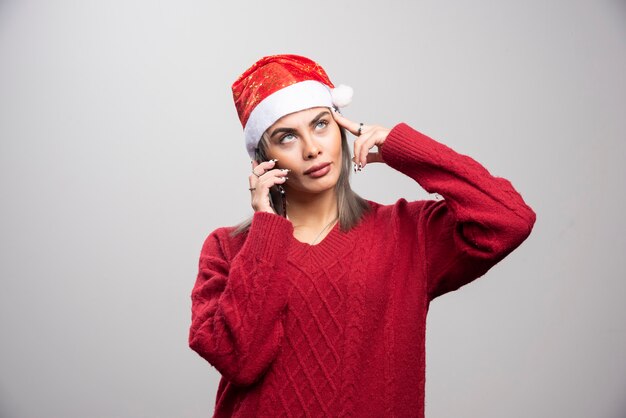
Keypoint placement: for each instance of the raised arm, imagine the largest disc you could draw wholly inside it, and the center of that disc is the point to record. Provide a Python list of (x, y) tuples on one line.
[(238, 299), (481, 219)]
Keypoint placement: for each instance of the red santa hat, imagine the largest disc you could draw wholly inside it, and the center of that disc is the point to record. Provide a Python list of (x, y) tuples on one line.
[(278, 85)]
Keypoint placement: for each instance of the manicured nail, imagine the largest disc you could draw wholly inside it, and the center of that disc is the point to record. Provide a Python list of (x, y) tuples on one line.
[(285, 169)]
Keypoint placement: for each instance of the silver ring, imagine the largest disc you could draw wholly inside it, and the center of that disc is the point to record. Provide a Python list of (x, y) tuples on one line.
[(358, 133)]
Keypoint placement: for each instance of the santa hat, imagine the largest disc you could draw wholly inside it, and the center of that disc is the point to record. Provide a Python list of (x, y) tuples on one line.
[(278, 85)]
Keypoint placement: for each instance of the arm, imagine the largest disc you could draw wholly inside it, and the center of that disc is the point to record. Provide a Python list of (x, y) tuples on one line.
[(237, 302), (481, 219)]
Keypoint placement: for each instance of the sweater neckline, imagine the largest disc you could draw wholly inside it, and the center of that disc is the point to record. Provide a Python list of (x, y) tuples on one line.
[(335, 226), (312, 257)]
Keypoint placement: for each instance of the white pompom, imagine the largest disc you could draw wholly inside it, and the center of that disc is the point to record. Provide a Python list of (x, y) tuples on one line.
[(342, 95)]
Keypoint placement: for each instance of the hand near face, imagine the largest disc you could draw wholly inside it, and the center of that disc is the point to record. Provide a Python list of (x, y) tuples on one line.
[(370, 136), (264, 175)]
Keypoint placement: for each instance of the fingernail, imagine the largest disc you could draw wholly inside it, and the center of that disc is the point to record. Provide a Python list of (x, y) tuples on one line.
[(354, 167), (360, 166), (285, 169), (286, 178)]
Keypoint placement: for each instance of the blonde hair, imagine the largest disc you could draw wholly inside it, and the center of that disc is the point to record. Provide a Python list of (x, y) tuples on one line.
[(351, 206)]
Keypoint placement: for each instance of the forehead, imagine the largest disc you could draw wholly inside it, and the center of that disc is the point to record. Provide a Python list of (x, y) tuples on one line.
[(302, 117)]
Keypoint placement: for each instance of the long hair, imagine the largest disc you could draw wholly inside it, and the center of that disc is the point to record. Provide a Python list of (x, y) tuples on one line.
[(351, 206)]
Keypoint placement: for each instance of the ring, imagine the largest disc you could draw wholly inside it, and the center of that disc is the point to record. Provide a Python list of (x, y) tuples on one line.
[(252, 188), (358, 133), (258, 175)]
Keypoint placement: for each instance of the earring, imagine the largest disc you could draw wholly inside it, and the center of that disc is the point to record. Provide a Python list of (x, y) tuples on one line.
[(283, 198)]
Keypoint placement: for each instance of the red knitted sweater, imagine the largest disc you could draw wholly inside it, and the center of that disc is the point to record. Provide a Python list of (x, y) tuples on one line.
[(338, 328)]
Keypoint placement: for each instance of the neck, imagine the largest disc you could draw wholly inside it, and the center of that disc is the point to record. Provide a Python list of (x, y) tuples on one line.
[(312, 210)]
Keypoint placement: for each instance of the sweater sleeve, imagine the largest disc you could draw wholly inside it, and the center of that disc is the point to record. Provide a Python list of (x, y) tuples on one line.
[(238, 302), (481, 219)]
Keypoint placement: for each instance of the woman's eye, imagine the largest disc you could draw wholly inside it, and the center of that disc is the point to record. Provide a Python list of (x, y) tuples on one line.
[(287, 138), (321, 124)]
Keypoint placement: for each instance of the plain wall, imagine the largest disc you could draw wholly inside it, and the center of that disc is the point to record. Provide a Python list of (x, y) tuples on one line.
[(120, 151)]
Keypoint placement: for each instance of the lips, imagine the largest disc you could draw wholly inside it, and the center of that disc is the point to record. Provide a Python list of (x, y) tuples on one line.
[(317, 167)]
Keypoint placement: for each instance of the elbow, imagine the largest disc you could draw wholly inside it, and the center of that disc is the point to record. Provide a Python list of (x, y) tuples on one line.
[(502, 234), (525, 221), (516, 230)]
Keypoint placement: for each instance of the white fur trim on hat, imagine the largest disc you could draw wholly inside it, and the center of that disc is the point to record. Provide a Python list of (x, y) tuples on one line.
[(293, 98)]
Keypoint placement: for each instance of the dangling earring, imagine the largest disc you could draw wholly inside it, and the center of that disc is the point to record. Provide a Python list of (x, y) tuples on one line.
[(283, 198)]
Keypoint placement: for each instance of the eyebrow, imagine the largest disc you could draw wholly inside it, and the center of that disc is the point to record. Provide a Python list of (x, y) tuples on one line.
[(312, 123)]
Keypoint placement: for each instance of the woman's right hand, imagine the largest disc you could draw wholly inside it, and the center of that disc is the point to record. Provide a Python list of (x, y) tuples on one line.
[(264, 176)]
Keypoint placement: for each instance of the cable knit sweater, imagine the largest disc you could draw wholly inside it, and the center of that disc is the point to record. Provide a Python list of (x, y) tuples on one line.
[(337, 329)]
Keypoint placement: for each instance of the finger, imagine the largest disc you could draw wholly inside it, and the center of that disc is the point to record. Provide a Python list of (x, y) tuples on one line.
[(268, 165), (255, 164), (357, 148), (258, 180), (277, 172), (260, 168), (366, 144), (268, 179), (252, 179), (352, 127), (362, 145)]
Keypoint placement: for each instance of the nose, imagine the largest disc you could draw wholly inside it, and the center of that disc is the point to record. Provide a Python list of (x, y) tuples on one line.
[(311, 148)]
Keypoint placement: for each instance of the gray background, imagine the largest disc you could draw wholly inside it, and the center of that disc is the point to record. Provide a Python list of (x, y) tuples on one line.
[(121, 150)]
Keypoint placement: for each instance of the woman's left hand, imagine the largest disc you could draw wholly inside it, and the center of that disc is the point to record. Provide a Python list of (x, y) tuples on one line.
[(368, 137)]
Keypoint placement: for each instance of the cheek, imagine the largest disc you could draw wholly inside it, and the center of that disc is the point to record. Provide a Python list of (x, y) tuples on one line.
[(281, 154), (287, 159), (338, 148)]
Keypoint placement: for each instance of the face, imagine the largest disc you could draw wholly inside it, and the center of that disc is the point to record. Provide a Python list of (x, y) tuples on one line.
[(309, 144)]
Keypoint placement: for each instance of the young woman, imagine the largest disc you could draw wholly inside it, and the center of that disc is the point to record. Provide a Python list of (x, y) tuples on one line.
[(317, 306)]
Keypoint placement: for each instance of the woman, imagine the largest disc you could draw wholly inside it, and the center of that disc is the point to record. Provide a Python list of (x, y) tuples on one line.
[(317, 306)]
